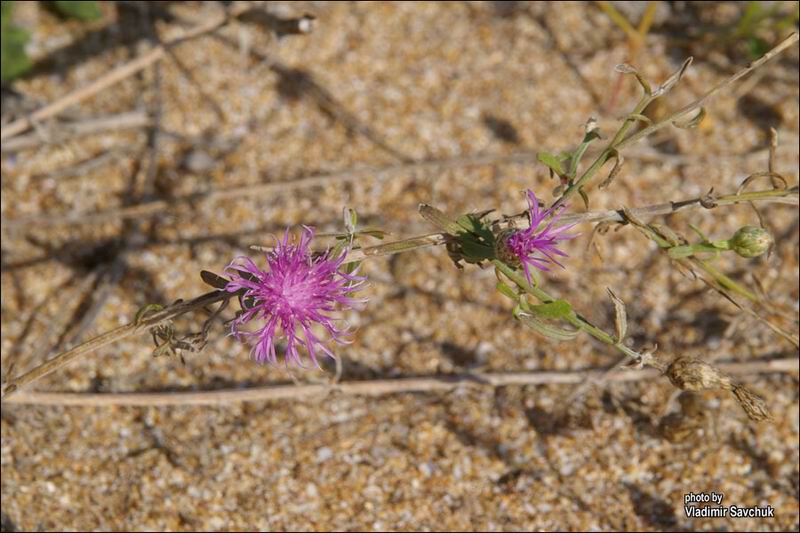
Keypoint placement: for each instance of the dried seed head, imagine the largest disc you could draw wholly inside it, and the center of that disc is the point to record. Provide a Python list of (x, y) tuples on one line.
[(753, 404), (692, 374), (750, 241)]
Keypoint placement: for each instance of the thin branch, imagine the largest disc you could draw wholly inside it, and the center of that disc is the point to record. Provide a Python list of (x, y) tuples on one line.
[(112, 336), (697, 104), (117, 75), (63, 131), (379, 387), (160, 207), (622, 139)]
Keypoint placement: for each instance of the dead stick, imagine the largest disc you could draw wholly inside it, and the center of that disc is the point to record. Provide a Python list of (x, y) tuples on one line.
[(115, 76), (66, 130), (249, 191), (159, 207), (378, 387), (114, 335)]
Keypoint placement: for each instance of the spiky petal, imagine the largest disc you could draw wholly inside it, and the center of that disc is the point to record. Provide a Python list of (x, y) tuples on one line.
[(295, 294), (538, 246)]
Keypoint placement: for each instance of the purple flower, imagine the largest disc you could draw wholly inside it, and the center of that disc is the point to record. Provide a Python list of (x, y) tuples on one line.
[(536, 246), (295, 294)]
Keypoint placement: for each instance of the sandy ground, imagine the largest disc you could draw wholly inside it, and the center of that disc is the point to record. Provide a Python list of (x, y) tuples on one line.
[(372, 85)]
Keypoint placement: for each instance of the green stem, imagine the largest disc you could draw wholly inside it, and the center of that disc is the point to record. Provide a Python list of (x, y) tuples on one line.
[(724, 280), (576, 320), (689, 250), (605, 154), (718, 276)]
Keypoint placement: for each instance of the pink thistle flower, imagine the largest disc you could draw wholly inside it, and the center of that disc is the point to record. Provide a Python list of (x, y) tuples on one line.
[(296, 294), (536, 247)]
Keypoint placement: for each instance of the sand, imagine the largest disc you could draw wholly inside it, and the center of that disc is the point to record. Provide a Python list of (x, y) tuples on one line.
[(371, 85)]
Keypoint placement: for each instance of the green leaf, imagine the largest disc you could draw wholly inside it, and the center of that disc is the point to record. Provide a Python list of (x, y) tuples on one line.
[(374, 233), (507, 291), (681, 252), (439, 219), (469, 223), (548, 330), (552, 161), (692, 122), (216, 281), (14, 60), (79, 9), (592, 133), (474, 251), (553, 310), (472, 223)]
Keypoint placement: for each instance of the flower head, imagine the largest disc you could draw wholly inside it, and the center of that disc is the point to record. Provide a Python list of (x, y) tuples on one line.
[(295, 294), (750, 241), (535, 246)]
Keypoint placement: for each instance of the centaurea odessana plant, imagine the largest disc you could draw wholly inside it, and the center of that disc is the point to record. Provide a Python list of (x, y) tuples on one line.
[(298, 290), (295, 294)]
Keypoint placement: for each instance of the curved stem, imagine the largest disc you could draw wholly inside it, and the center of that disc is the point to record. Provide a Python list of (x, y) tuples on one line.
[(576, 320)]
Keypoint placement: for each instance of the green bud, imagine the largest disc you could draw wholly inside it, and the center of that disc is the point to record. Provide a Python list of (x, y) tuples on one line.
[(750, 241)]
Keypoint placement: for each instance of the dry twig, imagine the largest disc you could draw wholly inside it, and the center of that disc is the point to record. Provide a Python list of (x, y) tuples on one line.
[(117, 75), (378, 387)]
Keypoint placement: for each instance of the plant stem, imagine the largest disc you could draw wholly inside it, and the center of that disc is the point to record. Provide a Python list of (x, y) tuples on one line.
[(605, 154), (619, 142), (404, 245), (576, 320), (114, 335), (697, 104)]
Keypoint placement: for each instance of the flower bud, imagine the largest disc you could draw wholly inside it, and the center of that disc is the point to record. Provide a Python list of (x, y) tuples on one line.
[(503, 251), (750, 241)]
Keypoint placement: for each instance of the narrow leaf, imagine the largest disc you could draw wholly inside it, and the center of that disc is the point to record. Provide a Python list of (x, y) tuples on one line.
[(552, 161), (692, 122), (670, 82), (553, 310), (506, 290), (439, 219), (548, 330), (621, 316), (214, 280), (618, 161), (625, 68)]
